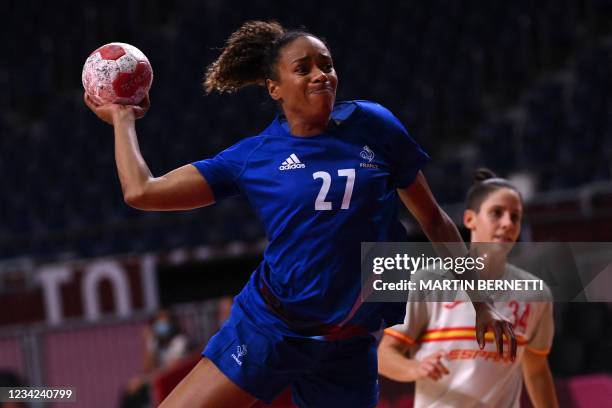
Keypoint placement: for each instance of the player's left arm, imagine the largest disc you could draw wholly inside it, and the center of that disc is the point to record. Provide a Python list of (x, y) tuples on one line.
[(439, 228), (434, 221), (538, 380), (536, 373)]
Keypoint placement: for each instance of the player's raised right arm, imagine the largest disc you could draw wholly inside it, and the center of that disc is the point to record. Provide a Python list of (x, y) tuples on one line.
[(180, 189)]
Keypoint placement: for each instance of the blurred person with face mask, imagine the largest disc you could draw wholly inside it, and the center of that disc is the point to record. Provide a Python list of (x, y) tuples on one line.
[(165, 345)]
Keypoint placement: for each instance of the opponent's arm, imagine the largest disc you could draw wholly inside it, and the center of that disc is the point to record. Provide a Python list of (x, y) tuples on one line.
[(393, 362), (439, 228), (538, 380), (181, 189)]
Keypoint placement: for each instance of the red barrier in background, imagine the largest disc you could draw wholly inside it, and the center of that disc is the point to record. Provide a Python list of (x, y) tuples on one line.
[(11, 356), (97, 361)]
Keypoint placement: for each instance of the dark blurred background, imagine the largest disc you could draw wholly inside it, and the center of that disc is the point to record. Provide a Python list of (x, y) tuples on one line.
[(522, 87)]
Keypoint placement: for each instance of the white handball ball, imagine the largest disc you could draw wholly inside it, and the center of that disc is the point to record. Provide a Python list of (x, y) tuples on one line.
[(117, 73)]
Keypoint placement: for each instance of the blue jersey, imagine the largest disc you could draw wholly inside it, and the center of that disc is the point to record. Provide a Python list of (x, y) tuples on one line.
[(318, 198)]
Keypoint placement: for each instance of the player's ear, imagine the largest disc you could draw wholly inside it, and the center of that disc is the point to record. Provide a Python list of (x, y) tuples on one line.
[(273, 89), (469, 219)]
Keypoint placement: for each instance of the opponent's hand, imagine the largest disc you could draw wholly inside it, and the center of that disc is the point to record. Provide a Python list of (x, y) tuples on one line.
[(431, 367), (110, 113), (490, 319)]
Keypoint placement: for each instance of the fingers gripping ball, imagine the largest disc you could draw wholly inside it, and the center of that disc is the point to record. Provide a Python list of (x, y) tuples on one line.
[(117, 73)]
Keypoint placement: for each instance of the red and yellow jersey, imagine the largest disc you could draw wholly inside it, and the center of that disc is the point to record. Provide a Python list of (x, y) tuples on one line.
[(478, 378)]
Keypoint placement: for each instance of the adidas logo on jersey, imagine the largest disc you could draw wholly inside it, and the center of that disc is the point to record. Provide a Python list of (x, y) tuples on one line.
[(291, 163)]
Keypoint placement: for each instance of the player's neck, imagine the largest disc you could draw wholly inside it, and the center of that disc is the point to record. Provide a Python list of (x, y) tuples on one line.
[(304, 127)]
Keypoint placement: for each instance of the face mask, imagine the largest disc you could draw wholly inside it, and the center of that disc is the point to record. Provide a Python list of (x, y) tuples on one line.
[(162, 328)]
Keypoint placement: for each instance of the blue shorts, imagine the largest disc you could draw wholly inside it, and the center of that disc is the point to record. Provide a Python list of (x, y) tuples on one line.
[(320, 373)]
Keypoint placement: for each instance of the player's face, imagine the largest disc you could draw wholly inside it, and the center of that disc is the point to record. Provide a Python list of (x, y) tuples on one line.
[(307, 82), (499, 218)]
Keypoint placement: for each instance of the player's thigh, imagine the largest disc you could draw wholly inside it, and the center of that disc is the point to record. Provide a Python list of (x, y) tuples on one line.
[(346, 376), (206, 386)]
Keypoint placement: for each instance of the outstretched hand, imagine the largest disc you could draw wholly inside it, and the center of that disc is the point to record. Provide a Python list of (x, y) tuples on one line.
[(432, 367), (109, 113), (490, 319)]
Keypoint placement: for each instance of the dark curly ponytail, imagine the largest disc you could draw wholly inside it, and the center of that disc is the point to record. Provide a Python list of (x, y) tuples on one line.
[(249, 56)]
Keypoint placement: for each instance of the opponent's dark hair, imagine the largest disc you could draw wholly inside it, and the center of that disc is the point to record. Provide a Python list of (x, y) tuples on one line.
[(250, 56), (485, 183)]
